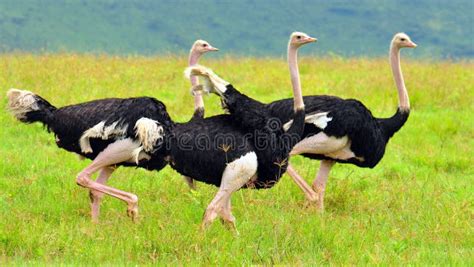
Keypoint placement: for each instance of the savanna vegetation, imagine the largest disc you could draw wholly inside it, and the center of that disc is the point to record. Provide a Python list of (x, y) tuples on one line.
[(415, 207)]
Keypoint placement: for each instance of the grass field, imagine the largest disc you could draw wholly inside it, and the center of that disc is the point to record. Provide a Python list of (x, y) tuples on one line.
[(415, 207)]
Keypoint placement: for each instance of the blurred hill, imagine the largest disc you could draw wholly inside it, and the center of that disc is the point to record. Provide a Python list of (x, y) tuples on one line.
[(443, 29)]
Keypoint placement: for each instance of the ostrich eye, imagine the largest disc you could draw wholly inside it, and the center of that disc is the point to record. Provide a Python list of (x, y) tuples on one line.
[(403, 39), (204, 45), (298, 37)]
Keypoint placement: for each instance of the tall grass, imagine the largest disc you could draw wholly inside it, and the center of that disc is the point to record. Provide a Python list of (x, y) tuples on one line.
[(415, 207)]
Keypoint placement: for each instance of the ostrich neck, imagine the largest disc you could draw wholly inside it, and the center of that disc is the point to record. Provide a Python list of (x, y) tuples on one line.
[(403, 100), (295, 77), (193, 60)]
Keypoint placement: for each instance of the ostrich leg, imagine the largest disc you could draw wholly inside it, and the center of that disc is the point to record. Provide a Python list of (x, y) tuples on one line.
[(307, 190), (119, 151), (226, 215), (319, 184), (236, 174), (319, 144), (190, 182), (96, 196)]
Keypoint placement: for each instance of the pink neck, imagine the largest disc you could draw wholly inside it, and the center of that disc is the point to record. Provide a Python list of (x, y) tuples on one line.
[(298, 103), (193, 60), (403, 100)]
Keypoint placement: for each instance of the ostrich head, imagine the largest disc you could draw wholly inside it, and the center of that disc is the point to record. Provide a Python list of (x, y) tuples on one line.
[(201, 47), (298, 39), (401, 40)]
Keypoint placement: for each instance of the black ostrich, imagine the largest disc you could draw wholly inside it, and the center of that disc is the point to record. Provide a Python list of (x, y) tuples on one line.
[(213, 150), (131, 130), (199, 48), (112, 132), (139, 132), (232, 154), (257, 120), (340, 130)]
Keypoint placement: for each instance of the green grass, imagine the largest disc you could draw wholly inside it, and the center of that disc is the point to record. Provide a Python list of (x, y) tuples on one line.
[(415, 207)]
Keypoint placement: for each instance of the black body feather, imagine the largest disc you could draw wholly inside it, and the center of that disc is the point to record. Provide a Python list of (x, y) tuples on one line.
[(272, 144), (368, 135), (70, 122), (200, 149), (44, 114), (198, 114)]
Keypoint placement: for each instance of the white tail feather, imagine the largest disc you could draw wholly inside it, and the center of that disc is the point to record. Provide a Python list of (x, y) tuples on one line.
[(21, 102), (209, 80), (149, 132)]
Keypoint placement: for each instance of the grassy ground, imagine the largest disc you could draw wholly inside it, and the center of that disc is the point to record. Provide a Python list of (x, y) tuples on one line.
[(415, 207)]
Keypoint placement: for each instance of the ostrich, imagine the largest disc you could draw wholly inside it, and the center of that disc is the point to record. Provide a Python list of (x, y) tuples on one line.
[(233, 149), (199, 48), (155, 140), (111, 132), (256, 120), (105, 127), (139, 132), (342, 130)]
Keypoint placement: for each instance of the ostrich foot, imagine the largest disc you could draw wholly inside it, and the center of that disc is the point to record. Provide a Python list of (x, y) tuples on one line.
[(230, 225), (319, 202), (132, 209), (312, 197), (209, 216)]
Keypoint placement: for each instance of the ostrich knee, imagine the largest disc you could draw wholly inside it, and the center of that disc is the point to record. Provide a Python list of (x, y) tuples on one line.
[(84, 180)]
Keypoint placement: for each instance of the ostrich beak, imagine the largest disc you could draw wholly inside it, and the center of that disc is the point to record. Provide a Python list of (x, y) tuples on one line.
[(311, 39), (412, 44), (211, 48)]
